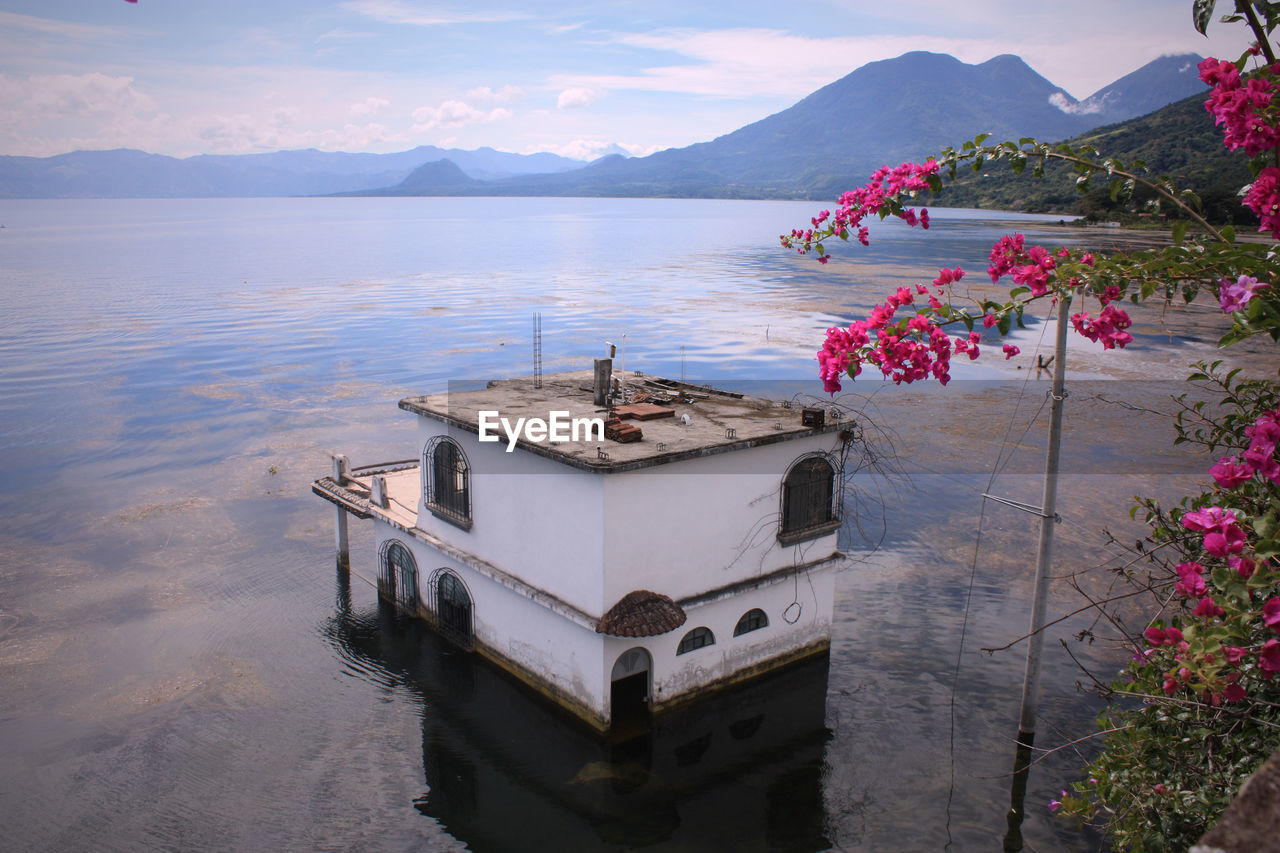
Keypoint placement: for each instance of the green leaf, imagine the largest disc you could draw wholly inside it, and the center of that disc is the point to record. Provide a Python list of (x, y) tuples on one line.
[(981, 138), (967, 320), (1180, 229), (1221, 576), (1232, 337), (1004, 324)]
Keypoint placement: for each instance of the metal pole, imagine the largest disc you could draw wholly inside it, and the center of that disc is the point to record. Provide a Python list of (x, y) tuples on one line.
[(1044, 559)]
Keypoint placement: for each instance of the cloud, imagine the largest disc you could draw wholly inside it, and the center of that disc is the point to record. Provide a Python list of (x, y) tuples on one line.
[(66, 29), (243, 133), (485, 95), (752, 62), (342, 34), (576, 97), (401, 12), (367, 107), (1086, 107), (593, 149), (455, 114), (44, 97)]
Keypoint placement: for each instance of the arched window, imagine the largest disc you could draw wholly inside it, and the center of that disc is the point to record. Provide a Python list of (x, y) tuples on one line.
[(398, 575), (452, 607), (448, 481), (696, 639), (752, 620), (808, 498)]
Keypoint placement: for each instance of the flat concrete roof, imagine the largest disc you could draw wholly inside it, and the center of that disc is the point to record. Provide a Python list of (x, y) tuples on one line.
[(718, 421)]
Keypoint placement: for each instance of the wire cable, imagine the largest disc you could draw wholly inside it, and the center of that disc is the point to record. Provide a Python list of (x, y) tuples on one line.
[(996, 468)]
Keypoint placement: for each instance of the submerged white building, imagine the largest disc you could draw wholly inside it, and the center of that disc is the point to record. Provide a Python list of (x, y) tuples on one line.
[(614, 574)]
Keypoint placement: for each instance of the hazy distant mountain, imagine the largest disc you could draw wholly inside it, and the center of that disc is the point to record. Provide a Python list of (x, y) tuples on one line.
[(1156, 84), (1178, 140), (440, 177), (884, 112), (126, 173)]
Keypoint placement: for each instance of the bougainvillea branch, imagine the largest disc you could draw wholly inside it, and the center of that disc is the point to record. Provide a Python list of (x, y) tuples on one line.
[(1204, 664)]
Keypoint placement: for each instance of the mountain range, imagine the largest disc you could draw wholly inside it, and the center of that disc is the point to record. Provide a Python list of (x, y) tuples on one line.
[(127, 173), (884, 112)]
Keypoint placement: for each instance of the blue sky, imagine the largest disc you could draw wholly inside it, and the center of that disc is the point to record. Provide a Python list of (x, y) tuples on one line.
[(185, 77)]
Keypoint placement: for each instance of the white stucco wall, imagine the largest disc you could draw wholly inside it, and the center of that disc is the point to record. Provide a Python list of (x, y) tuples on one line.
[(688, 527), (560, 653), (676, 675), (679, 529), (532, 517)]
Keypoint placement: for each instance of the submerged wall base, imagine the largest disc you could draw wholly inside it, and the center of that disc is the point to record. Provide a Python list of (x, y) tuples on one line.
[(584, 714), (735, 679)]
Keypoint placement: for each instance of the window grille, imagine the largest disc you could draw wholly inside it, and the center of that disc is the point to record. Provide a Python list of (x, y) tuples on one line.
[(451, 604), (398, 576), (808, 494), (448, 482), (752, 620), (696, 639)]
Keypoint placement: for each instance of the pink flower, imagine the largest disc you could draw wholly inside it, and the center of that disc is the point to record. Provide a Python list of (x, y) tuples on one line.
[(1219, 72), (946, 277), (1108, 328), (1234, 654), (1269, 658), (1243, 565), (1229, 473), (1163, 636), (1235, 295), (1207, 608), (1010, 351), (1210, 518), (1271, 613), (1240, 110), (1228, 541), (1191, 581), (1263, 198)]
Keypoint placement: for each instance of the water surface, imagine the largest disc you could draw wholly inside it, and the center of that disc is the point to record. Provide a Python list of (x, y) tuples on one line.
[(184, 668)]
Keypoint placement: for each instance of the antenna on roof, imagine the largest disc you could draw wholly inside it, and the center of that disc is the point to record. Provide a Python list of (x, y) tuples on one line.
[(537, 349)]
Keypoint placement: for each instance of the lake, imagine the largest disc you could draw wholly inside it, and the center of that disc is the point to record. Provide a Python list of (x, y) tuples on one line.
[(184, 668)]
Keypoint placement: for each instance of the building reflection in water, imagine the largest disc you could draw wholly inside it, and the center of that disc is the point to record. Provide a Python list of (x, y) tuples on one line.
[(505, 770)]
